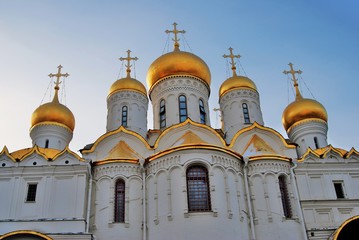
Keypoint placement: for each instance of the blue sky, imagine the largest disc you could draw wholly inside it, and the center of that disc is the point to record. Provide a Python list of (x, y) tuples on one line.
[(87, 37)]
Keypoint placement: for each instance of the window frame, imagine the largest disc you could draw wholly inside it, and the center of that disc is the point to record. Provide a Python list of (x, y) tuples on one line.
[(162, 113), (182, 110), (124, 116), (31, 192), (198, 191), (119, 201), (202, 112), (339, 192), (284, 194), (245, 109)]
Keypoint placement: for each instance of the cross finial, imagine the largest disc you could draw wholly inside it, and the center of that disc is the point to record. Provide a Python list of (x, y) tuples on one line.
[(58, 75), (175, 32), (128, 59), (233, 63), (294, 79)]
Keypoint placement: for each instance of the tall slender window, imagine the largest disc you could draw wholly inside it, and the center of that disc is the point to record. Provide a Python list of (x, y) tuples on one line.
[(124, 116), (47, 143), (182, 108), (316, 142), (339, 190), (287, 209), (31, 192), (246, 113), (120, 201), (162, 113), (198, 195), (202, 112)]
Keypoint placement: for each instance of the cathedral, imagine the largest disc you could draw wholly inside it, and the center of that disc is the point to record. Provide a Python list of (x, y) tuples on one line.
[(182, 179)]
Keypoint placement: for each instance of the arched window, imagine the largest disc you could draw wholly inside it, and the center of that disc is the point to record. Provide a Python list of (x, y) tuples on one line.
[(246, 113), (47, 143), (124, 116), (287, 209), (316, 142), (162, 113), (120, 201), (182, 108), (198, 195), (202, 112)]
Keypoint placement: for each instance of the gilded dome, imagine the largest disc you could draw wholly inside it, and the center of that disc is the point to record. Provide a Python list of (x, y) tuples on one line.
[(236, 82), (53, 112), (301, 109), (127, 83), (178, 63)]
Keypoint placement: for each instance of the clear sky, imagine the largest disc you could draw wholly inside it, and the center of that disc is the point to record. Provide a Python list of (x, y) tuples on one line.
[(87, 37)]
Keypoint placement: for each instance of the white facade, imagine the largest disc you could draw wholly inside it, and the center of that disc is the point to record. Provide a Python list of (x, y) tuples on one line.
[(184, 179)]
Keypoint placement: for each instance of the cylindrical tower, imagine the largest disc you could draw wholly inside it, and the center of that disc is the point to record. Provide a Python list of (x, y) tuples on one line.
[(52, 124), (179, 87), (305, 120), (239, 102), (127, 103)]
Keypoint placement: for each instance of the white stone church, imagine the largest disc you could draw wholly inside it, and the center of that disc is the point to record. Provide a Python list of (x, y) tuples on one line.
[(182, 179)]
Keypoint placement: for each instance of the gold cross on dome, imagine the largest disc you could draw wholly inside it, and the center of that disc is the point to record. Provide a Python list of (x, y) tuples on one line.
[(128, 59), (294, 79), (58, 75), (175, 32), (232, 56)]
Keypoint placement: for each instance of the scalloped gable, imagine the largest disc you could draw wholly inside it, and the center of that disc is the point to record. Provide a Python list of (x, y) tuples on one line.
[(107, 145), (329, 154), (257, 146), (186, 133), (122, 151), (258, 140)]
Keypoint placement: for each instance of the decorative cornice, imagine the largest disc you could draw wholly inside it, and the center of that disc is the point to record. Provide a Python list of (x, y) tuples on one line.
[(258, 126), (118, 130), (188, 122), (178, 76)]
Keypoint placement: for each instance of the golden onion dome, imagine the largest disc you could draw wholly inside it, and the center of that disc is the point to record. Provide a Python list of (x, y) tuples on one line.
[(302, 109), (236, 82), (127, 83), (178, 63), (53, 112)]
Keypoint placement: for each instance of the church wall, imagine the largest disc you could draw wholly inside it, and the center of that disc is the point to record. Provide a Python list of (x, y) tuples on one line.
[(50, 210), (232, 110), (267, 202), (170, 89), (103, 223), (323, 210), (168, 213)]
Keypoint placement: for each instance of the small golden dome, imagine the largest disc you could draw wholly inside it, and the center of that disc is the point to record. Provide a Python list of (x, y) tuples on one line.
[(178, 63), (236, 82), (127, 83), (301, 109), (53, 112)]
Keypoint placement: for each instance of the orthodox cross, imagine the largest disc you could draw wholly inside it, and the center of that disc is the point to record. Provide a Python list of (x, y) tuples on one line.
[(175, 32), (294, 79), (58, 75), (233, 63), (128, 59)]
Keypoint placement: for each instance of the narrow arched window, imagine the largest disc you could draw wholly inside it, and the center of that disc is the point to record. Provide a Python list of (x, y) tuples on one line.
[(124, 116), (287, 209), (47, 143), (246, 113), (202, 112), (162, 113), (316, 142), (120, 201), (182, 108), (198, 195)]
